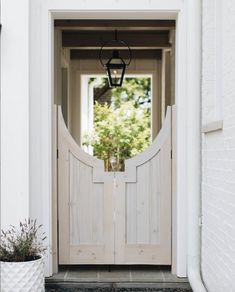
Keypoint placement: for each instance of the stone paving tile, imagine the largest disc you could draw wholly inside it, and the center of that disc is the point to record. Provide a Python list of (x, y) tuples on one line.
[(168, 277), (147, 276), (76, 285), (159, 285), (59, 276), (117, 290), (118, 268), (117, 287), (114, 276), (82, 276)]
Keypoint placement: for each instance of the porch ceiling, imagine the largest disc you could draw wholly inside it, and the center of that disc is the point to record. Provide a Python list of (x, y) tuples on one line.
[(136, 54), (106, 24), (136, 39), (146, 38)]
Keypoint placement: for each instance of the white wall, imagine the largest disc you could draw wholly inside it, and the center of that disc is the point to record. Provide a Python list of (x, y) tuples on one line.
[(14, 111), (218, 148)]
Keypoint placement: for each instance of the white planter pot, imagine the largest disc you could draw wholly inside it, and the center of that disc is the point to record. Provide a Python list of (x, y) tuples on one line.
[(22, 276)]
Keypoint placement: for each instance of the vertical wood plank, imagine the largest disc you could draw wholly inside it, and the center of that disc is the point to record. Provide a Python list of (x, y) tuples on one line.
[(55, 192), (119, 219), (131, 213), (74, 200), (155, 200), (174, 189), (63, 210), (108, 222), (143, 203), (98, 214), (165, 207), (85, 204)]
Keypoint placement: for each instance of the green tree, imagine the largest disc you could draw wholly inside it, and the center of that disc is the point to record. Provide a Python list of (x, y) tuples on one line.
[(133, 89), (122, 128)]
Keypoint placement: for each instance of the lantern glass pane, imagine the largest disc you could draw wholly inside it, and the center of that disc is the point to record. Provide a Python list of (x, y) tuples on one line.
[(116, 76), (115, 73)]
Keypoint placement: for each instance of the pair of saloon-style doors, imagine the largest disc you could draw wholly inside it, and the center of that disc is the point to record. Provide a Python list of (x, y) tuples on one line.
[(114, 217)]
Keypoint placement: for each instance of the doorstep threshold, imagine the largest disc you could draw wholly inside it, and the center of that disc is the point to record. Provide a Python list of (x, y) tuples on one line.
[(118, 285)]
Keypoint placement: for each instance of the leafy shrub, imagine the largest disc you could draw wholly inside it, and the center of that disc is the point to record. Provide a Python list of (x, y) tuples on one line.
[(22, 244), (118, 134), (122, 123)]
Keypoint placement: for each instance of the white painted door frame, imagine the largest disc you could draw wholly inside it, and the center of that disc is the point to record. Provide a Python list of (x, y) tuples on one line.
[(42, 13)]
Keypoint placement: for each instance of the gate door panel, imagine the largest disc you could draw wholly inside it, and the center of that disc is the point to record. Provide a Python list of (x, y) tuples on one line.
[(85, 204), (143, 204)]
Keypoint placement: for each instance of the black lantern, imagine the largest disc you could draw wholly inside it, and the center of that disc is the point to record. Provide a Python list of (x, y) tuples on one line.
[(115, 67)]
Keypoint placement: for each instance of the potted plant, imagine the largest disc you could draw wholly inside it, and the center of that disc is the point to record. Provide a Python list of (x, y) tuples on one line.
[(21, 258)]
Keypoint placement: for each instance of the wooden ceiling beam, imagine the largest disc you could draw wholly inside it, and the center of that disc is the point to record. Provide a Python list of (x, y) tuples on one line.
[(136, 54), (107, 24), (89, 39)]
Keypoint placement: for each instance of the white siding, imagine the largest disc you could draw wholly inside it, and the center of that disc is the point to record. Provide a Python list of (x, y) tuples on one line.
[(14, 112), (218, 147)]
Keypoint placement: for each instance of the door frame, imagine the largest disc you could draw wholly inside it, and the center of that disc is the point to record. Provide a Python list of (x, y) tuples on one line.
[(187, 96)]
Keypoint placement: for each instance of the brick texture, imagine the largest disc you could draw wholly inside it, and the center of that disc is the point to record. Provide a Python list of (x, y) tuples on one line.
[(218, 148)]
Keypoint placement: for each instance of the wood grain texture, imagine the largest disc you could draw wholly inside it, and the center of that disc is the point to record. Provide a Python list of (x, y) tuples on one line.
[(115, 218), (143, 217), (54, 192), (109, 24), (143, 203), (154, 205), (131, 213), (95, 39), (85, 205), (136, 54), (174, 188)]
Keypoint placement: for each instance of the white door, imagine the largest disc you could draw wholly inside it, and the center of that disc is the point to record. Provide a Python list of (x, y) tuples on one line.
[(85, 204), (114, 218)]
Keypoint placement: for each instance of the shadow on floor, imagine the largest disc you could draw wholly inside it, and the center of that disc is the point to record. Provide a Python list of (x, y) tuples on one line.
[(116, 290), (116, 279)]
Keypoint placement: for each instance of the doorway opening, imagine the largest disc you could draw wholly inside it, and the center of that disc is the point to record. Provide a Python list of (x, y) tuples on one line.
[(140, 188), (116, 122)]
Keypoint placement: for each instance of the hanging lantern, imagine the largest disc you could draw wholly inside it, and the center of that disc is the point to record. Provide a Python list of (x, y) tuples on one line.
[(116, 69), (116, 66)]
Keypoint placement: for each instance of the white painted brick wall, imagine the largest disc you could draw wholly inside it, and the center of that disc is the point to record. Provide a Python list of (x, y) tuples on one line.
[(218, 150)]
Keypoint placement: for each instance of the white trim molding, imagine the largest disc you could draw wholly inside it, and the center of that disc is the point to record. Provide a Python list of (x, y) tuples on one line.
[(212, 127), (212, 69), (14, 112), (193, 150)]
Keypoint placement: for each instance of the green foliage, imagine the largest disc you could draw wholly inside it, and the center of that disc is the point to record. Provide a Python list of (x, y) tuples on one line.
[(23, 244), (122, 128), (133, 89)]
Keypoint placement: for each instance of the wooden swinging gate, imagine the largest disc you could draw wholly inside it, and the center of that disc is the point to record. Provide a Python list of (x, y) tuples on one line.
[(114, 217)]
